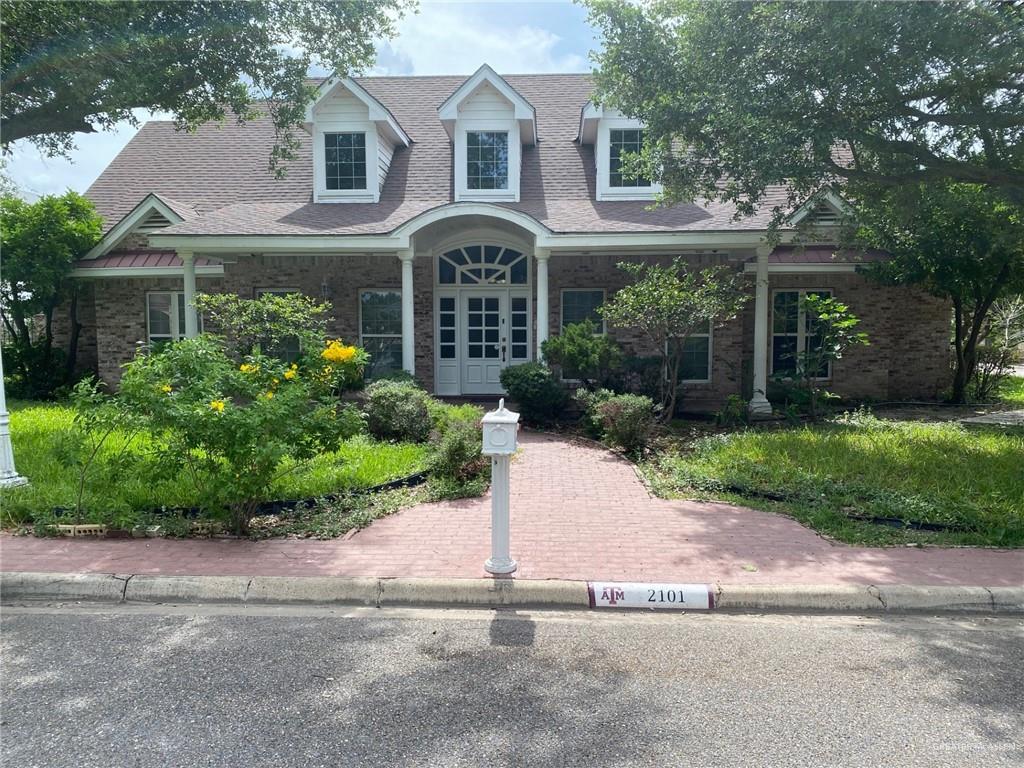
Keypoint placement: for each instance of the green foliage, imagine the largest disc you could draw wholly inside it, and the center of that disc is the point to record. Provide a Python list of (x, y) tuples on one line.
[(627, 421), (457, 453), (538, 394), (40, 242), (268, 324), (833, 328), (667, 304), (581, 352), (915, 91), (1011, 391), (227, 426), (860, 465), (588, 401), (398, 410), (734, 413), (199, 61)]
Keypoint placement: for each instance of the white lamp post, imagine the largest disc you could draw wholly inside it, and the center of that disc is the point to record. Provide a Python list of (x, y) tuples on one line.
[(9, 476), (500, 429)]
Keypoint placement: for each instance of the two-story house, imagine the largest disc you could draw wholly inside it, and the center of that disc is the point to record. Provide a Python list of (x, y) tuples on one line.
[(454, 224)]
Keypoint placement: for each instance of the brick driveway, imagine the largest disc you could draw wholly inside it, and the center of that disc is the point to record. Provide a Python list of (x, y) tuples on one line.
[(578, 512)]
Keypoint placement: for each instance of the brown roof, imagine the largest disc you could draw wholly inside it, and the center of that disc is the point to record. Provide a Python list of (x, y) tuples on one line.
[(221, 173)]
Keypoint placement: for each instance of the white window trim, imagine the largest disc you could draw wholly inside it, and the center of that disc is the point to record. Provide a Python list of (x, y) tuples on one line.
[(397, 292), (515, 154), (602, 155), (561, 306), (177, 297), (801, 327), (711, 354), (371, 193)]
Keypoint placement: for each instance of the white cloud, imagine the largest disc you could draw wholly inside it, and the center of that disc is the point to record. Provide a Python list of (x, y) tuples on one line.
[(455, 40)]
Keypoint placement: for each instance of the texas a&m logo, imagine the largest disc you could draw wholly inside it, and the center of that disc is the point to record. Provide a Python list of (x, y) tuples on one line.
[(612, 595)]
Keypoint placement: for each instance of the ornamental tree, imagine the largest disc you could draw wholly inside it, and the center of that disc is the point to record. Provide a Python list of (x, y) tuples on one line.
[(748, 102), (82, 67), (667, 304), (40, 242)]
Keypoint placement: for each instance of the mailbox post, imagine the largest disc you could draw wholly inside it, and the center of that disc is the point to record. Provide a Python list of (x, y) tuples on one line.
[(500, 429)]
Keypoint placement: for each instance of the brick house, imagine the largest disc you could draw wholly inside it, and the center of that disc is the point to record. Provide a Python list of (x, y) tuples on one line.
[(454, 224)]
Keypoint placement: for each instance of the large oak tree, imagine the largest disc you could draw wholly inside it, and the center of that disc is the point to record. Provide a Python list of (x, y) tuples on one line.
[(72, 67)]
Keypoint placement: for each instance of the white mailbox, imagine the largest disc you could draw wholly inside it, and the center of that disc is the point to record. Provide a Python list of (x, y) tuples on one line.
[(500, 428)]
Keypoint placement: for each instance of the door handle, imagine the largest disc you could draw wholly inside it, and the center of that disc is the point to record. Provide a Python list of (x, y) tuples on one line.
[(503, 353)]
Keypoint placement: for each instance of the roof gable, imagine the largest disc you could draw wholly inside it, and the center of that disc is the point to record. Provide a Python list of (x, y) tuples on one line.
[(378, 113), (523, 110), (152, 214)]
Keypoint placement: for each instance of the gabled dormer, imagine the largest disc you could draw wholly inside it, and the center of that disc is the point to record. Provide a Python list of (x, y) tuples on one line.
[(613, 136), (824, 209), (354, 138), (489, 122)]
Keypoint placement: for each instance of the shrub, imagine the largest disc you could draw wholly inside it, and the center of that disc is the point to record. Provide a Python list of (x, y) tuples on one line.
[(34, 372), (588, 402), (446, 415), (733, 413), (457, 454), (583, 353), (397, 410), (538, 394), (230, 427), (627, 421)]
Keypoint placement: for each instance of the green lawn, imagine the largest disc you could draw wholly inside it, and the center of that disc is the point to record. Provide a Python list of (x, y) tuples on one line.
[(127, 480), (821, 475), (1011, 391)]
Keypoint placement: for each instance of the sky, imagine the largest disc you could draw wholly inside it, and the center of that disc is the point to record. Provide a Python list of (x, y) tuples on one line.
[(444, 38)]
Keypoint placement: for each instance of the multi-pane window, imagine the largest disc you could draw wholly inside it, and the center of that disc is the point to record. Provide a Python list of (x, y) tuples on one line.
[(793, 331), (579, 305), (287, 349), (380, 331), (695, 365), (624, 142), (482, 265), (165, 317), (345, 160), (487, 160)]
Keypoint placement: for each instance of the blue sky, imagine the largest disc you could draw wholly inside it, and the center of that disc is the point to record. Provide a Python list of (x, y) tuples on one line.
[(444, 38)]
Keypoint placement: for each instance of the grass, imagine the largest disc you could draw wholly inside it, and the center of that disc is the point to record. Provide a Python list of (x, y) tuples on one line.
[(126, 481), (1011, 391), (863, 466)]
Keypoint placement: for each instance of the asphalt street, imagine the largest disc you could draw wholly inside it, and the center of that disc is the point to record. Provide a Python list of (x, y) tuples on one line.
[(250, 687)]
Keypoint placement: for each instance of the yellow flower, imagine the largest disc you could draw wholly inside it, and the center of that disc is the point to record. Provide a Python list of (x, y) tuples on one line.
[(275, 381), (295, 366), (291, 373), (217, 405), (248, 368), (336, 352), (166, 388), (269, 395)]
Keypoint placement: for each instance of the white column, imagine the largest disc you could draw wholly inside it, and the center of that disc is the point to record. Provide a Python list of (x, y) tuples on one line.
[(759, 405), (543, 313), (191, 319), (9, 476), (408, 317)]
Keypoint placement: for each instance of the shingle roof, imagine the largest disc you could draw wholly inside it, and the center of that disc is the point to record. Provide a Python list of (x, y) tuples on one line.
[(221, 173)]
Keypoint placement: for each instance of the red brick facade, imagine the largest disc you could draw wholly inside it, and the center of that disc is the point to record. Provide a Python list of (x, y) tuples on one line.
[(908, 356)]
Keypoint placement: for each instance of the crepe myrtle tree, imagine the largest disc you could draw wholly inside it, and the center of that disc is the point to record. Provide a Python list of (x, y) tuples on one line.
[(82, 67), (667, 303), (767, 103)]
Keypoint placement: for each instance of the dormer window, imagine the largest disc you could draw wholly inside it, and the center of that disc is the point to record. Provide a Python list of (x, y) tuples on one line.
[(621, 143), (614, 136), (345, 160), (486, 159), (488, 121)]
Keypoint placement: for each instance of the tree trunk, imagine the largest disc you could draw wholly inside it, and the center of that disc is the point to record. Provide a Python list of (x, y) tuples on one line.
[(967, 337), (959, 393)]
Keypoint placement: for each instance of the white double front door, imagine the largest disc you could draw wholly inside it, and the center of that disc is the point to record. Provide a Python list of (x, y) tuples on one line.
[(480, 333)]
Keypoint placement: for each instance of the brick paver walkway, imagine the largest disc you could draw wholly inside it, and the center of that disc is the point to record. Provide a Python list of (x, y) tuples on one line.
[(578, 512)]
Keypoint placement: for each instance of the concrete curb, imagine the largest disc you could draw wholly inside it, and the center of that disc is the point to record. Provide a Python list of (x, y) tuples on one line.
[(486, 593)]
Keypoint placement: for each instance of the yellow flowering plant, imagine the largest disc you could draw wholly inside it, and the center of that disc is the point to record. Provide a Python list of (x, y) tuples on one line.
[(342, 366)]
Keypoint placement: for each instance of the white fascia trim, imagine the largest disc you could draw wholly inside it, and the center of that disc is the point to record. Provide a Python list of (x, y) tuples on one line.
[(802, 269), (834, 201), (124, 227), (99, 273), (602, 160), (378, 113), (590, 114), (523, 110)]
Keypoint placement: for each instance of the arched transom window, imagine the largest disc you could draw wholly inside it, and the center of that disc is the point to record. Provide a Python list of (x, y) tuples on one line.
[(482, 265)]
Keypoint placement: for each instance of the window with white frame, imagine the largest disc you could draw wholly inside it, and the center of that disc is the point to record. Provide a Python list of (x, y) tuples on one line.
[(486, 159), (165, 317), (623, 142), (579, 305), (345, 160), (695, 359), (793, 331), (380, 331), (289, 348)]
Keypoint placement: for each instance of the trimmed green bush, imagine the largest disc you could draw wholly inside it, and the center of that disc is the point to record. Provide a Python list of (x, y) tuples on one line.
[(627, 421), (582, 353), (457, 453), (398, 410), (538, 394)]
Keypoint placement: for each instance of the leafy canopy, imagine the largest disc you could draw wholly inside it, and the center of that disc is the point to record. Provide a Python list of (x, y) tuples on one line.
[(762, 94), (78, 67)]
